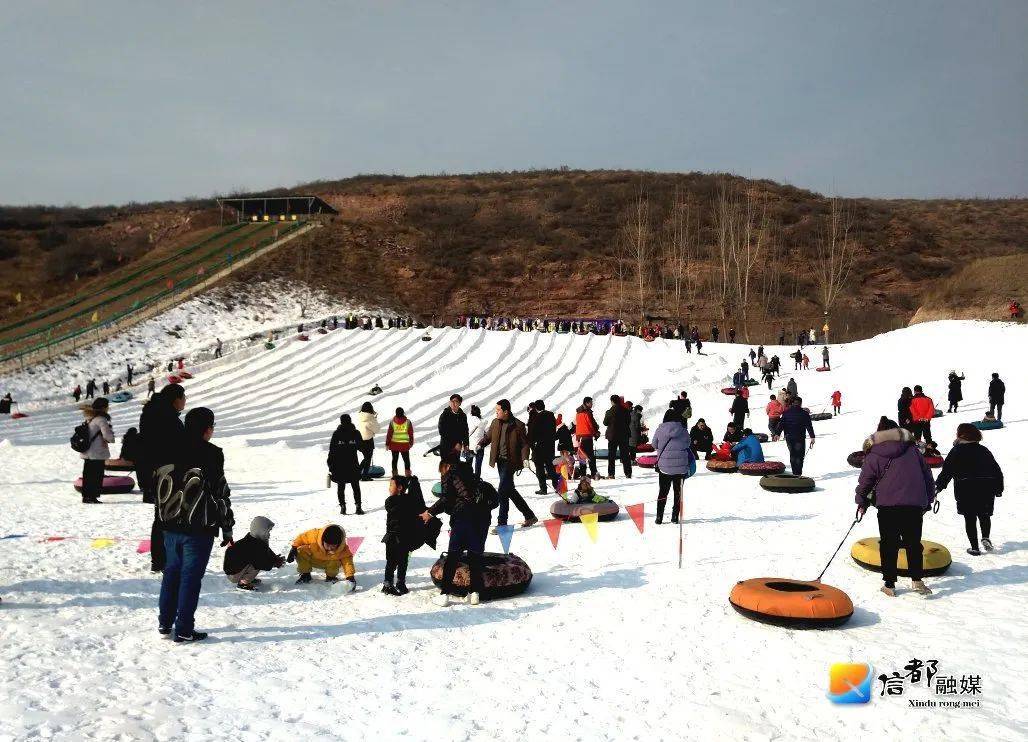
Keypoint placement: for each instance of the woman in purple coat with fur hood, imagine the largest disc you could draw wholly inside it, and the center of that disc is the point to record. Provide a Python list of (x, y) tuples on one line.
[(896, 476)]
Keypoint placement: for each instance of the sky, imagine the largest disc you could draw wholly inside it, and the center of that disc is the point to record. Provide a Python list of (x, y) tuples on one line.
[(111, 102)]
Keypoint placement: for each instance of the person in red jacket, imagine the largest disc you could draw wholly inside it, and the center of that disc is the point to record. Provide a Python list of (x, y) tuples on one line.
[(399, 439), (837, 402), (587, 430), (922, 410), (774, 411)]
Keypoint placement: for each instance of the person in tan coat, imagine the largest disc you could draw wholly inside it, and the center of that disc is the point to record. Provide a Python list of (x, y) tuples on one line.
[(508, 450)]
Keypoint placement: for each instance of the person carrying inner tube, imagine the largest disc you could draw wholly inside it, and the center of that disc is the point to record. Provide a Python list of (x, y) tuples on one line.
[(675, 461), (977, 482), (895, 479)]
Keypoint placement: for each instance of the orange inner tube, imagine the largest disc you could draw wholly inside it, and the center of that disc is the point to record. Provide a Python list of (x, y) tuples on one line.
[(796, 603)]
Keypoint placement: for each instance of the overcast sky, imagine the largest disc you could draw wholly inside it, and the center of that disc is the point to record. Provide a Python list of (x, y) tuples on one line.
[(110, 102)]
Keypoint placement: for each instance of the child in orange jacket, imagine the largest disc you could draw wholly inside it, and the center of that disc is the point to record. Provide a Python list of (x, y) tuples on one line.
[(837, 402), (324, 548)]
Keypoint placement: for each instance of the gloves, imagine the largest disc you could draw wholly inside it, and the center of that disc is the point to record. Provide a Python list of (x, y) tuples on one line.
[(279, 560), (292, 555), (226, 536), (351, 585)]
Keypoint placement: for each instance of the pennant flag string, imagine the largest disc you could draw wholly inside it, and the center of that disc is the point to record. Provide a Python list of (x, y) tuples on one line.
[(590, 521), (553, 530), (506, 534)]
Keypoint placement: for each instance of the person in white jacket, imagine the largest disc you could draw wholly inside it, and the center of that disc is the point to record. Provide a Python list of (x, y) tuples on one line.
[(368, 426), (93, 459), (476, 430)]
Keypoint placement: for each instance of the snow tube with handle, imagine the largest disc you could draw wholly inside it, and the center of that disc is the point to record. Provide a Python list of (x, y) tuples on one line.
[(761, 468), (111, 485), (648, 339), (787, 483), (856, 459), (269, 345), (646, 462), (173, 379), (122, 396), (751, 382), (980, 424), (934, 462), (574, 511), (823, 368), (426, 338), (185, 375), (721, 467), (937, 413), (935, 557), (304, 337), (119, 465), (18, 415), (644, 448), (322, 331), (503, 575), (797, 604), (730, 391), (822, 416), (376, 471)]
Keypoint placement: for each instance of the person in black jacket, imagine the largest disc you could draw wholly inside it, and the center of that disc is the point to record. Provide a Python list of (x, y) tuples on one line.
[(188, 542), (956, 395), (342, 462), (997, 393), (404, 531), (733, 434), (160, 442), (617, 421), (542, 437), (978, 481), (740, 409), (702, 438), (796, 425), (251, 555), (904, 418), (453, 428)]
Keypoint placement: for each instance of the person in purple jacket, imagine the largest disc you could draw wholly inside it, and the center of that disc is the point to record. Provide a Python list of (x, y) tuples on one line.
[(675, 461), (896, 476)]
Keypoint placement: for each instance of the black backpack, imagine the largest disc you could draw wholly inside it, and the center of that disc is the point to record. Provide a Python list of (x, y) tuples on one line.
[(486, 495), (81, 440)]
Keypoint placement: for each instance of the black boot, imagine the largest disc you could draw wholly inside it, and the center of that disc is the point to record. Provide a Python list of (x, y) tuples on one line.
[(357, 501), (342, 508)]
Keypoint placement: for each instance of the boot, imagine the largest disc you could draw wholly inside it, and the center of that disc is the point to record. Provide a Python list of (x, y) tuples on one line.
[(388, 589), (303, 579), (987, 543), (890, 591), (342, 508), (401, 588), (920, 588)]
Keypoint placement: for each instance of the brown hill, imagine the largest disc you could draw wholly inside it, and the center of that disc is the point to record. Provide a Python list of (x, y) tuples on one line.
[(548, 243)]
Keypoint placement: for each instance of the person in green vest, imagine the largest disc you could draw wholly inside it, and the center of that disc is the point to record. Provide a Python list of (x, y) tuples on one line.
[(399, 439)]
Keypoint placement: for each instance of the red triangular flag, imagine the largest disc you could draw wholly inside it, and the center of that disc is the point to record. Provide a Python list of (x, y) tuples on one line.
[(553, 529), (170, 283), (144, 546), (353, 543), (49, 539), (636, 511), (200, 271)]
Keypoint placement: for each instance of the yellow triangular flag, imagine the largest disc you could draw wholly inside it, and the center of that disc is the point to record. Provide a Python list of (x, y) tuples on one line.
[(95, 317), (589, 520), (102, 543), (17, 297)]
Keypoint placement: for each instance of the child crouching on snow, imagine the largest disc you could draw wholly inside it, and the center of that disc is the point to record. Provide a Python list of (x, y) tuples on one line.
[(583, 493), (323, 548), (251, 555)]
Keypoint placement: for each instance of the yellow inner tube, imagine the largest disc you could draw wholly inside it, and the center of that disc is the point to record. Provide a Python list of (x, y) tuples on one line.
[(936, 557)]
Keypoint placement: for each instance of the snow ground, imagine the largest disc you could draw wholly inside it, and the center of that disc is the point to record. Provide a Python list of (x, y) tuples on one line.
[(612, 641)]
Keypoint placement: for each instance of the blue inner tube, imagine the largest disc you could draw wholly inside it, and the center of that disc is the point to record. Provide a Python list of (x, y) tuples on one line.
[(121, 396), (988, 424), (376, 471)]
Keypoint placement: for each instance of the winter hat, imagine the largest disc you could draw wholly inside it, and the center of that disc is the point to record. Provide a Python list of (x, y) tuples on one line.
[(260, 527)]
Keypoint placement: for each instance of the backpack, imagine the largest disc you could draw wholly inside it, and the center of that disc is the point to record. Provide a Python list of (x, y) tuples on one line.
[(186, 506), (486, 495), (81, 440)]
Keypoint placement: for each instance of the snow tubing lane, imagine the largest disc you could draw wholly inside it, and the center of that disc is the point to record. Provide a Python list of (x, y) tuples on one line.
[(721, 467), (646, 462), (934, 462), (119, 465), (644, 448), (376, 471), (935, 557), (795, 604), (980, 424), (822, 416), (856, 459), (787, 483), (572, 512), (111, 485), (760, 468), (503, 575), (121, 396), (173, 379)]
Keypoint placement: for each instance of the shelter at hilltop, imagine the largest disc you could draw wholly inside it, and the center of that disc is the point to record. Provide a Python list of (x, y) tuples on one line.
[(274, 208)]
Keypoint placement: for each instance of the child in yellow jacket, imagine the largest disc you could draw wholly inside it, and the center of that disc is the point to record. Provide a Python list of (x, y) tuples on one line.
[(324, 548)]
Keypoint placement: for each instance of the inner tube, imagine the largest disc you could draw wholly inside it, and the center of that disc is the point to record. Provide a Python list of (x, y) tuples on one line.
[(322, 331), (122, 396), (649, 339), (426, 338), (935, 557), (730, 391), (18, 415), (646, 462), (269, 345), (751, 382), (787, 483), (503, 575), (644, 448), (303, 337), (173, 379), (980, 424), (823, 368), (822, 416), (376, 471), (437, 489), (111, 485), (856, 459), (119, 465), (721, 467), (574, 511), (601, 453), (185, 375), (934, 462), (937, 413), (797, 604), (761, 468)]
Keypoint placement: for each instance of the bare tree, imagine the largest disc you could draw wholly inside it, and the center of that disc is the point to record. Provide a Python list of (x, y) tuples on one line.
[(635, 241), (677, 247), (752, 232), (834, 253), (724, 215)]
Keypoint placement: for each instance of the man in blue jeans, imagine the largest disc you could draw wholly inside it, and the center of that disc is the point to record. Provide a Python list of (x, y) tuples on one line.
[(188, 543), (795, 423), (508, 450)]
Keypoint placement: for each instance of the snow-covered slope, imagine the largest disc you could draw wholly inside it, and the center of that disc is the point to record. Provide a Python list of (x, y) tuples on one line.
[(612, 640)]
